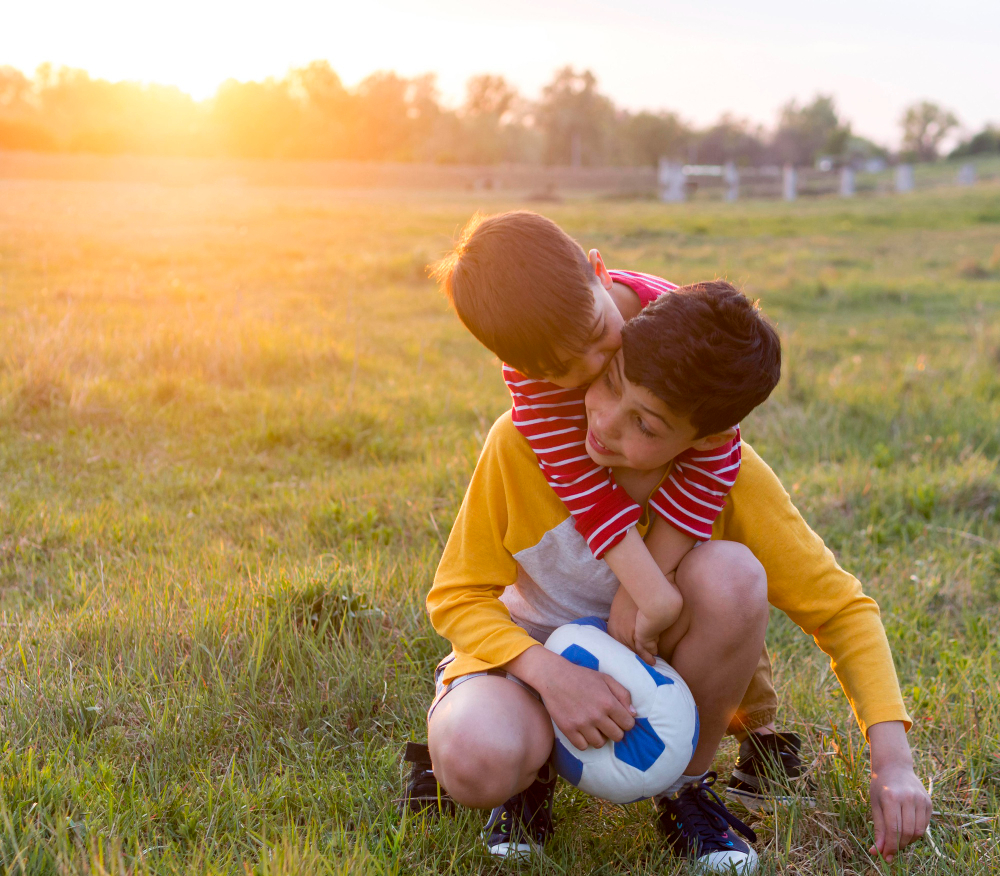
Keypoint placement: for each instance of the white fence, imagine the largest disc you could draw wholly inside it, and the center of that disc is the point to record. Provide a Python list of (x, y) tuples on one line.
[(681, 182)]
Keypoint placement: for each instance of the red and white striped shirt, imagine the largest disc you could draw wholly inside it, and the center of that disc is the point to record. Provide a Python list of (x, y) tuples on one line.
[(554, 420)]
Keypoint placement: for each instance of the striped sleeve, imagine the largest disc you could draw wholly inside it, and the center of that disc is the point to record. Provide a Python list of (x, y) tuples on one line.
[(554, 420), (695, 491), (646, 287)]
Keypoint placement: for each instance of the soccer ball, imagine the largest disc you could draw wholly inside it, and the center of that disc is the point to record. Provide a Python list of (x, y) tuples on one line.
[(653, 754)]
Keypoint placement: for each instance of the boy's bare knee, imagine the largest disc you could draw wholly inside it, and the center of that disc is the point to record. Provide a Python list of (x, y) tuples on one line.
[(727, 580), (475, 773)]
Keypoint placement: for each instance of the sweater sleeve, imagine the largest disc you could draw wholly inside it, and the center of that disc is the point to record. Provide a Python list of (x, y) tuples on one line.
[(554, 420), (475, 568), (806, 582), (695, 491)]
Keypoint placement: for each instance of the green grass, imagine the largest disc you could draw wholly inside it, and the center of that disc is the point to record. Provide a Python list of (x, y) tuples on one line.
[(235, 427)]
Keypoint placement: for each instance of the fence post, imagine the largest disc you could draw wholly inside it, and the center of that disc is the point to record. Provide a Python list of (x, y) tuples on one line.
[(671, 179), (904, 178), (967, 174), (731, 176), (789, 183), (847, 182)]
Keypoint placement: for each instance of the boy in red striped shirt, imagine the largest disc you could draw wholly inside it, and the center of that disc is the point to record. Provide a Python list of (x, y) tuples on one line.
[(548, 370)]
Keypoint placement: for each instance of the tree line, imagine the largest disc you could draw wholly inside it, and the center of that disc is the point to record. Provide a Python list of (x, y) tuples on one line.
[(311, 114)]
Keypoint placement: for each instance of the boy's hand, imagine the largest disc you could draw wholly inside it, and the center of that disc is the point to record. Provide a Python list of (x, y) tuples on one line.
[(588, 706), (646, 635), (621, 625), (901, 808)]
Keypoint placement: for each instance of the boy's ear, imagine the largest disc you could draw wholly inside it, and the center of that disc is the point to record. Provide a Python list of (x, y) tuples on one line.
[(594, 257), (717, 439)]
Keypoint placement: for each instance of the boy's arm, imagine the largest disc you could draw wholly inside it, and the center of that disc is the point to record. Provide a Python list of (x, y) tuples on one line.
[(465, 608), (658, 600), (687, 505), (695, 491), (475, 568), (805, 581), (553, 420)]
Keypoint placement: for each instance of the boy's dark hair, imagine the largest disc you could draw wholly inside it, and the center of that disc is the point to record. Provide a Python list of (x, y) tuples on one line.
[(706, 351), (521, 285)]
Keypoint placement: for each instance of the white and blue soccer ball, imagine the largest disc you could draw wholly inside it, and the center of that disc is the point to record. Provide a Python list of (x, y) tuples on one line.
[(653, 754)]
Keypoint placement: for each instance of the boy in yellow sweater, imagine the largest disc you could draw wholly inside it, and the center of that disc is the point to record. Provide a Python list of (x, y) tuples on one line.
[(513, 568)]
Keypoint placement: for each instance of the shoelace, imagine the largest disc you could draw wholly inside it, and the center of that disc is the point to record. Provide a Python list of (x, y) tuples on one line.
[(533, 817), (706, 816)]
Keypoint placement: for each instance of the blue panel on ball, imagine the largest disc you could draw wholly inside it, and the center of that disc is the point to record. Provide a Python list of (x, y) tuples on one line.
[(581, 657), (568, 765), (697, 727), (591, 622), (641, 746), (658, 677)]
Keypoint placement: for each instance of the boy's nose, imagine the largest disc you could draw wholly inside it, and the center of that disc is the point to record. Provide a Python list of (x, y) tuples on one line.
[(612, 339)]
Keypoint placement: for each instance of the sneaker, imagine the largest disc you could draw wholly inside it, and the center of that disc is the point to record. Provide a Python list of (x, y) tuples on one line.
[(423, 794), (698, 826), (768, 773), (518, 829)]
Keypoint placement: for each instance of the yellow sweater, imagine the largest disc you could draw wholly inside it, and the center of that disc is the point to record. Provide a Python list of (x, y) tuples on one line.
[(512, 531)]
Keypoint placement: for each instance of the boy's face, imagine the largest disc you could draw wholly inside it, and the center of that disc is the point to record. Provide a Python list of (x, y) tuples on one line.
[(605, 336), (629, 426)]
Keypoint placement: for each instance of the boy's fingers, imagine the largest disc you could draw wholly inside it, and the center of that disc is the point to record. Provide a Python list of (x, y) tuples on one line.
[(611, 730), (909, 821), (621, 693), (879, 828), (891, 831)]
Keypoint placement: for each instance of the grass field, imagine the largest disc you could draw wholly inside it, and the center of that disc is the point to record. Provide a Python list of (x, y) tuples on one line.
[(235, 427)]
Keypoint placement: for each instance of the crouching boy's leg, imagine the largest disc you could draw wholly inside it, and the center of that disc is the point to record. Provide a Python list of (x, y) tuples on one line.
[(488, 738), (715, 646), (716, 643)]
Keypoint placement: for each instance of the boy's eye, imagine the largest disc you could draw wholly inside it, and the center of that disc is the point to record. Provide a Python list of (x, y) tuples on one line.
[(609, 381), (642, 427)]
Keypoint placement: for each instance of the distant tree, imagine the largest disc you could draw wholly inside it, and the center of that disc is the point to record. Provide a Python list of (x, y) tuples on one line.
[(572, 109), (15, 89), (486, 128), (808, 132), (258, 119), (986, 142), (383, 131), (925, 125), (488, 96), (21, 125), (328, 111), (730, 139), (648, 137)]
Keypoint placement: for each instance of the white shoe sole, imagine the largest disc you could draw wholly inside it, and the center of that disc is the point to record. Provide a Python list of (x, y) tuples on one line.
[(520, 852), (741, 863)]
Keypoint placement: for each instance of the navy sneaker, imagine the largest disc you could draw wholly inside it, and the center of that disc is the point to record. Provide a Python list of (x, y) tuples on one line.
[(768, 772), (423, 794), (698, 826), (518, 829)]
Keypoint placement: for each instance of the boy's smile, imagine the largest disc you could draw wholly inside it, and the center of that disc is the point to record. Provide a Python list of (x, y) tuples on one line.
[(629, 426)]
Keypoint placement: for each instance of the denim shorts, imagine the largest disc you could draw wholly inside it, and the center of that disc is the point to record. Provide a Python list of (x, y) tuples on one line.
[(441, 689)]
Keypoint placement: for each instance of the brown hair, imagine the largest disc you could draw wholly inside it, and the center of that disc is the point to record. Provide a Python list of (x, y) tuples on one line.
[(522, 286), (706, 351)]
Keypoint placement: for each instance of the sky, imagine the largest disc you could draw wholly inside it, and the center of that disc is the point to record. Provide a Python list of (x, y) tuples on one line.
[(700, 59)]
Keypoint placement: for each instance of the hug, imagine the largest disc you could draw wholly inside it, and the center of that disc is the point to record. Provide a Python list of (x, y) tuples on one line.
[(620, 487)]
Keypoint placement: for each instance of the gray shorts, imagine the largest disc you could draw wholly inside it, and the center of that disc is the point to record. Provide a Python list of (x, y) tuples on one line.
[(441, 690)]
